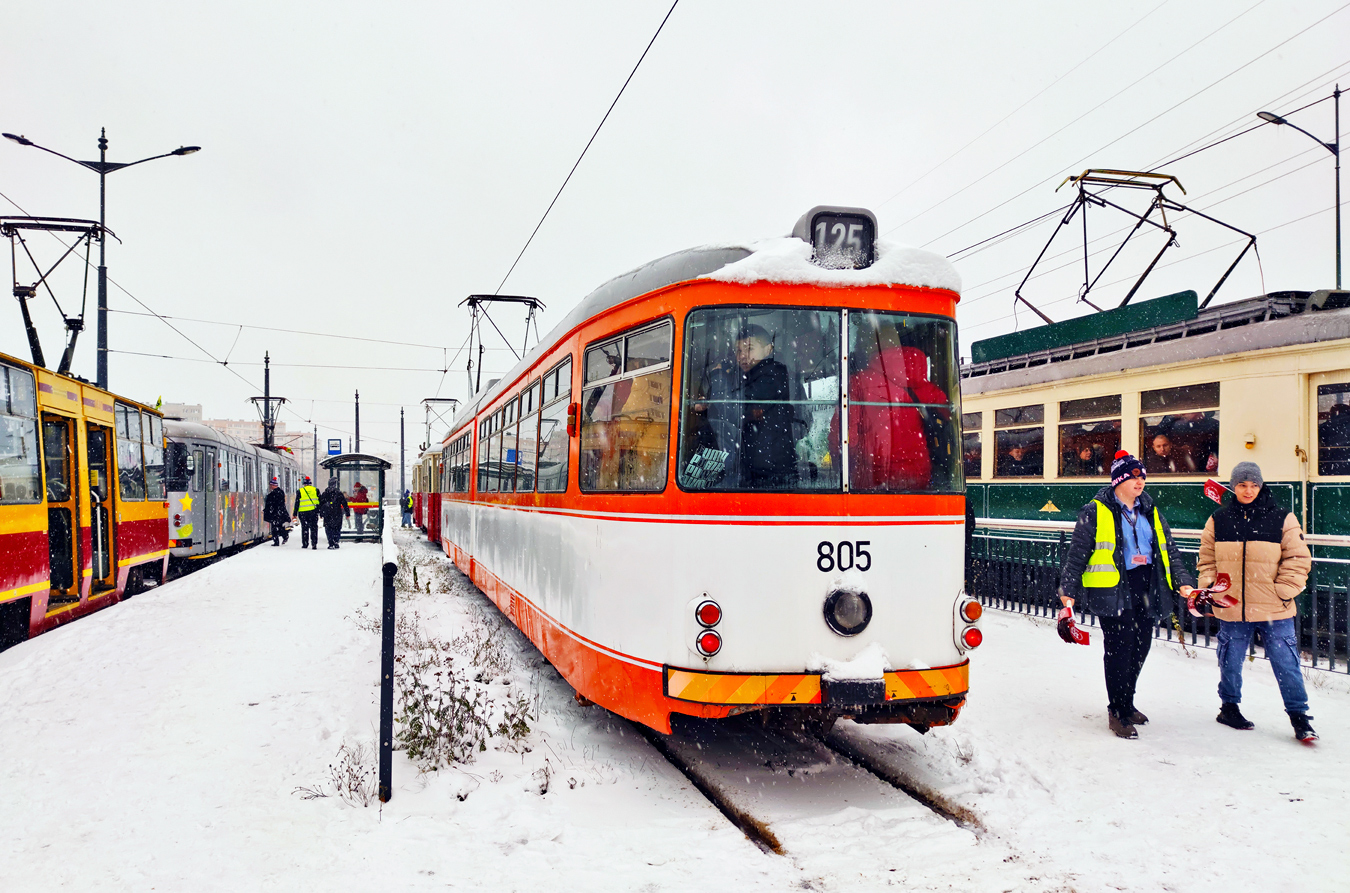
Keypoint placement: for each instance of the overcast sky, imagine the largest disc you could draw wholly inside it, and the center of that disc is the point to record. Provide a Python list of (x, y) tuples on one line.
[(364, 167)]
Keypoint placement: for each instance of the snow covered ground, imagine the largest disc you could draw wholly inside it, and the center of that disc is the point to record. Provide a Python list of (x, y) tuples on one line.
[(176, 742)]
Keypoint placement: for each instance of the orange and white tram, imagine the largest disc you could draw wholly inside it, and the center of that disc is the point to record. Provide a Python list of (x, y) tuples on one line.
[(730, 481), (83, 516)]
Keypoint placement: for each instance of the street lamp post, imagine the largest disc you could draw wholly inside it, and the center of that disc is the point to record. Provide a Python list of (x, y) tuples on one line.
[(1334, 147), (102, 167)]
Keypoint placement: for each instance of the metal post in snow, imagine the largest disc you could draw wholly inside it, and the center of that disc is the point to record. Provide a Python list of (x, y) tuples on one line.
[(390, 569)]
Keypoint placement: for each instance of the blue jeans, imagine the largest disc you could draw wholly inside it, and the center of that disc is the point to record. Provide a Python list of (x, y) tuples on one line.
[(1235, 638), (407, 519)]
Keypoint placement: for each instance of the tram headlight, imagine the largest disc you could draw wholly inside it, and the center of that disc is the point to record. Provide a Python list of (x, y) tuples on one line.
[(848, 612)]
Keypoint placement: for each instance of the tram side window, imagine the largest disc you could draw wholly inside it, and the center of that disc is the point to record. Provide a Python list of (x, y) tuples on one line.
[(510, 455), (971, 453), (224, 472), (20, 465), (760, 400), (177, 467), (527, 443), (56, 450), (197, 470), (553, 440), (1179, 429), (130, 464), (1089, 435), (625, 412), (1019, 437), (152, 446), (1333, 428)]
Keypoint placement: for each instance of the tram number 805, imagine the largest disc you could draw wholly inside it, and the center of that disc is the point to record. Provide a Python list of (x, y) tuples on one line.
[(845, 556)]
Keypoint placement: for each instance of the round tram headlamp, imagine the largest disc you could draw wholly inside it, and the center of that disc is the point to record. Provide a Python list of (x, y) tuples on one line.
[(848, 613)]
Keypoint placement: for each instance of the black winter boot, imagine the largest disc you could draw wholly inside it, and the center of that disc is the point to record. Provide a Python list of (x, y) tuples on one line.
[(1302, 730), (1230, 715)]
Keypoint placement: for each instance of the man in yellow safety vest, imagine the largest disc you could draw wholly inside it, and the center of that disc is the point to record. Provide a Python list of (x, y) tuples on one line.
[(307, 511), (1122, 528)]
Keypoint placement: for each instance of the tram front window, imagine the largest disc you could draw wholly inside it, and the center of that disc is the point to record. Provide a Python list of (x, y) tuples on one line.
[(761, 402)]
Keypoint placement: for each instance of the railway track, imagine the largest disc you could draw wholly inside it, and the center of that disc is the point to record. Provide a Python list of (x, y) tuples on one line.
[(777, 785)]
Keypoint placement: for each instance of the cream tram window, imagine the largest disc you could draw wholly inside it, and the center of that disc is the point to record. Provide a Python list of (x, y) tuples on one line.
[(1179, 429), (971, 453), (625, 412), (20, 465), (556, 397), (1089, 436), (760, 401), (1019, 437), (1333, 428), (130, 463)]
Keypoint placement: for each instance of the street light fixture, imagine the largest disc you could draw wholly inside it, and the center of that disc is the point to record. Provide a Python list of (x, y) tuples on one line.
[(1334, 148), (102, 167)]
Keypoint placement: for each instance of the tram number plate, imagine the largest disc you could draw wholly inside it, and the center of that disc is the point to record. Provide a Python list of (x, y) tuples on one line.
[(844, 556)]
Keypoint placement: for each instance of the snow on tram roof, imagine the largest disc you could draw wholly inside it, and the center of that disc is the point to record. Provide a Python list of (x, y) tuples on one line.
[(789, 260), (786, 259)]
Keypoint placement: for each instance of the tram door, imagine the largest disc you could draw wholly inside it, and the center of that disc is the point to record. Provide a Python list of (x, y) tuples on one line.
[(100, 507), (210, 476), (63, 513)]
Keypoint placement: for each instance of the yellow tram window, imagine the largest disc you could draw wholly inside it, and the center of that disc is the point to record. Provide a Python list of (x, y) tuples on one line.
[(20, 474)]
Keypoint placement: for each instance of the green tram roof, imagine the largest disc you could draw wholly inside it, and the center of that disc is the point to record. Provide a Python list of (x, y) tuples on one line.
[(1164, 330)]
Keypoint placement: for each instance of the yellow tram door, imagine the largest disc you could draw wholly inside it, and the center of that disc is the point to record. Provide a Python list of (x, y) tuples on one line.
[(99, 452), (63, 514)]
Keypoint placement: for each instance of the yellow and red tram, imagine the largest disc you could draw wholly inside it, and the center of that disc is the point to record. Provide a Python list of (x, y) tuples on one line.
[(729, 481), (83, 511)]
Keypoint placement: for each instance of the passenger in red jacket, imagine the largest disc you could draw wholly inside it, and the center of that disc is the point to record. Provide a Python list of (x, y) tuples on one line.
[(888, 445)]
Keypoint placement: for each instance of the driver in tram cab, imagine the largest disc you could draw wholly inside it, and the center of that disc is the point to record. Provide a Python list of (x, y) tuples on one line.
[(888, 445), (768, 456)]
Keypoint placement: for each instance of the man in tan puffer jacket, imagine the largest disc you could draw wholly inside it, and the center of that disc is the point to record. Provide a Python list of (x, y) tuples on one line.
[(1260, 546)]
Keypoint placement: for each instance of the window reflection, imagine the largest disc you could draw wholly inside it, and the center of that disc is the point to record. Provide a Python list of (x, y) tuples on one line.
[(1333, 428)]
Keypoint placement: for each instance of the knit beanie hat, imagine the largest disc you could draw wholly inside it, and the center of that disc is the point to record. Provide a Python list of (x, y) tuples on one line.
[(1246, 471), (1125, 466)]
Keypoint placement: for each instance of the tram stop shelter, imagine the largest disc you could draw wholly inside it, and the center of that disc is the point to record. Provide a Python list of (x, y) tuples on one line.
[(361, 479)]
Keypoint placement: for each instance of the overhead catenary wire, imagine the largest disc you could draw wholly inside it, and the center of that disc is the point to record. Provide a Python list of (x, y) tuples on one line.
[(568, 178)]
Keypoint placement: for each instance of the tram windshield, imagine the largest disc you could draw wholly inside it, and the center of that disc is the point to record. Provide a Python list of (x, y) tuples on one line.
[(763, 393)]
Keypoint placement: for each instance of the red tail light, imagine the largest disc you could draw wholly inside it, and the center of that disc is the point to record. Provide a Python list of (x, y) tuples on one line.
[(709, 643), (972, 637), (708, 613), (177, 520)]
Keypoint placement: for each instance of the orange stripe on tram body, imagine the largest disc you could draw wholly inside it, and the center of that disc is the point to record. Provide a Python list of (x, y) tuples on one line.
[(778, 688)]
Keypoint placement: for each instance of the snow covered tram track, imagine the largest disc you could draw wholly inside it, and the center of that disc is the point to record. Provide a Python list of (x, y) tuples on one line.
[(896, 776), (822, 804)]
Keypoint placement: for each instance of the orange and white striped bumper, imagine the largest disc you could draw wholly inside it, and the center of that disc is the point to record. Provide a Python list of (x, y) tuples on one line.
[(804, 688)]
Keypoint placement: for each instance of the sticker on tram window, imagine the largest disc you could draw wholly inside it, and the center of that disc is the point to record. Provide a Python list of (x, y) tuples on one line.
[(844, 556)]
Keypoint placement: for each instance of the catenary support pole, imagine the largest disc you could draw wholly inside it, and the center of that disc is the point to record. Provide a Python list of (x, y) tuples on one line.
[(358, 421), (402, 485)]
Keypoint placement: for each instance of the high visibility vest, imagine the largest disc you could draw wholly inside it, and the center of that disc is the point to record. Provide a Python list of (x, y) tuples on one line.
[(1101, 571), (309, 498)]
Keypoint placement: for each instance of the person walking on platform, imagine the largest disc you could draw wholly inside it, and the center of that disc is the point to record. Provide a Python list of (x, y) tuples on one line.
[(274, 513), (1261, 548), (1119, 529), (333, 508), (307, 512), (360, 502), (406, 504)]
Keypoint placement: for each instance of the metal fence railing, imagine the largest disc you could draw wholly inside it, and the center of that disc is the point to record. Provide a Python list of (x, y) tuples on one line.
[(1014, 566)]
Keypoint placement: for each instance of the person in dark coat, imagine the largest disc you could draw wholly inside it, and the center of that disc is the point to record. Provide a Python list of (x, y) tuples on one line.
[(768, 459), (332, 509), (405, 504), (1124, 567), (276, 513)]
